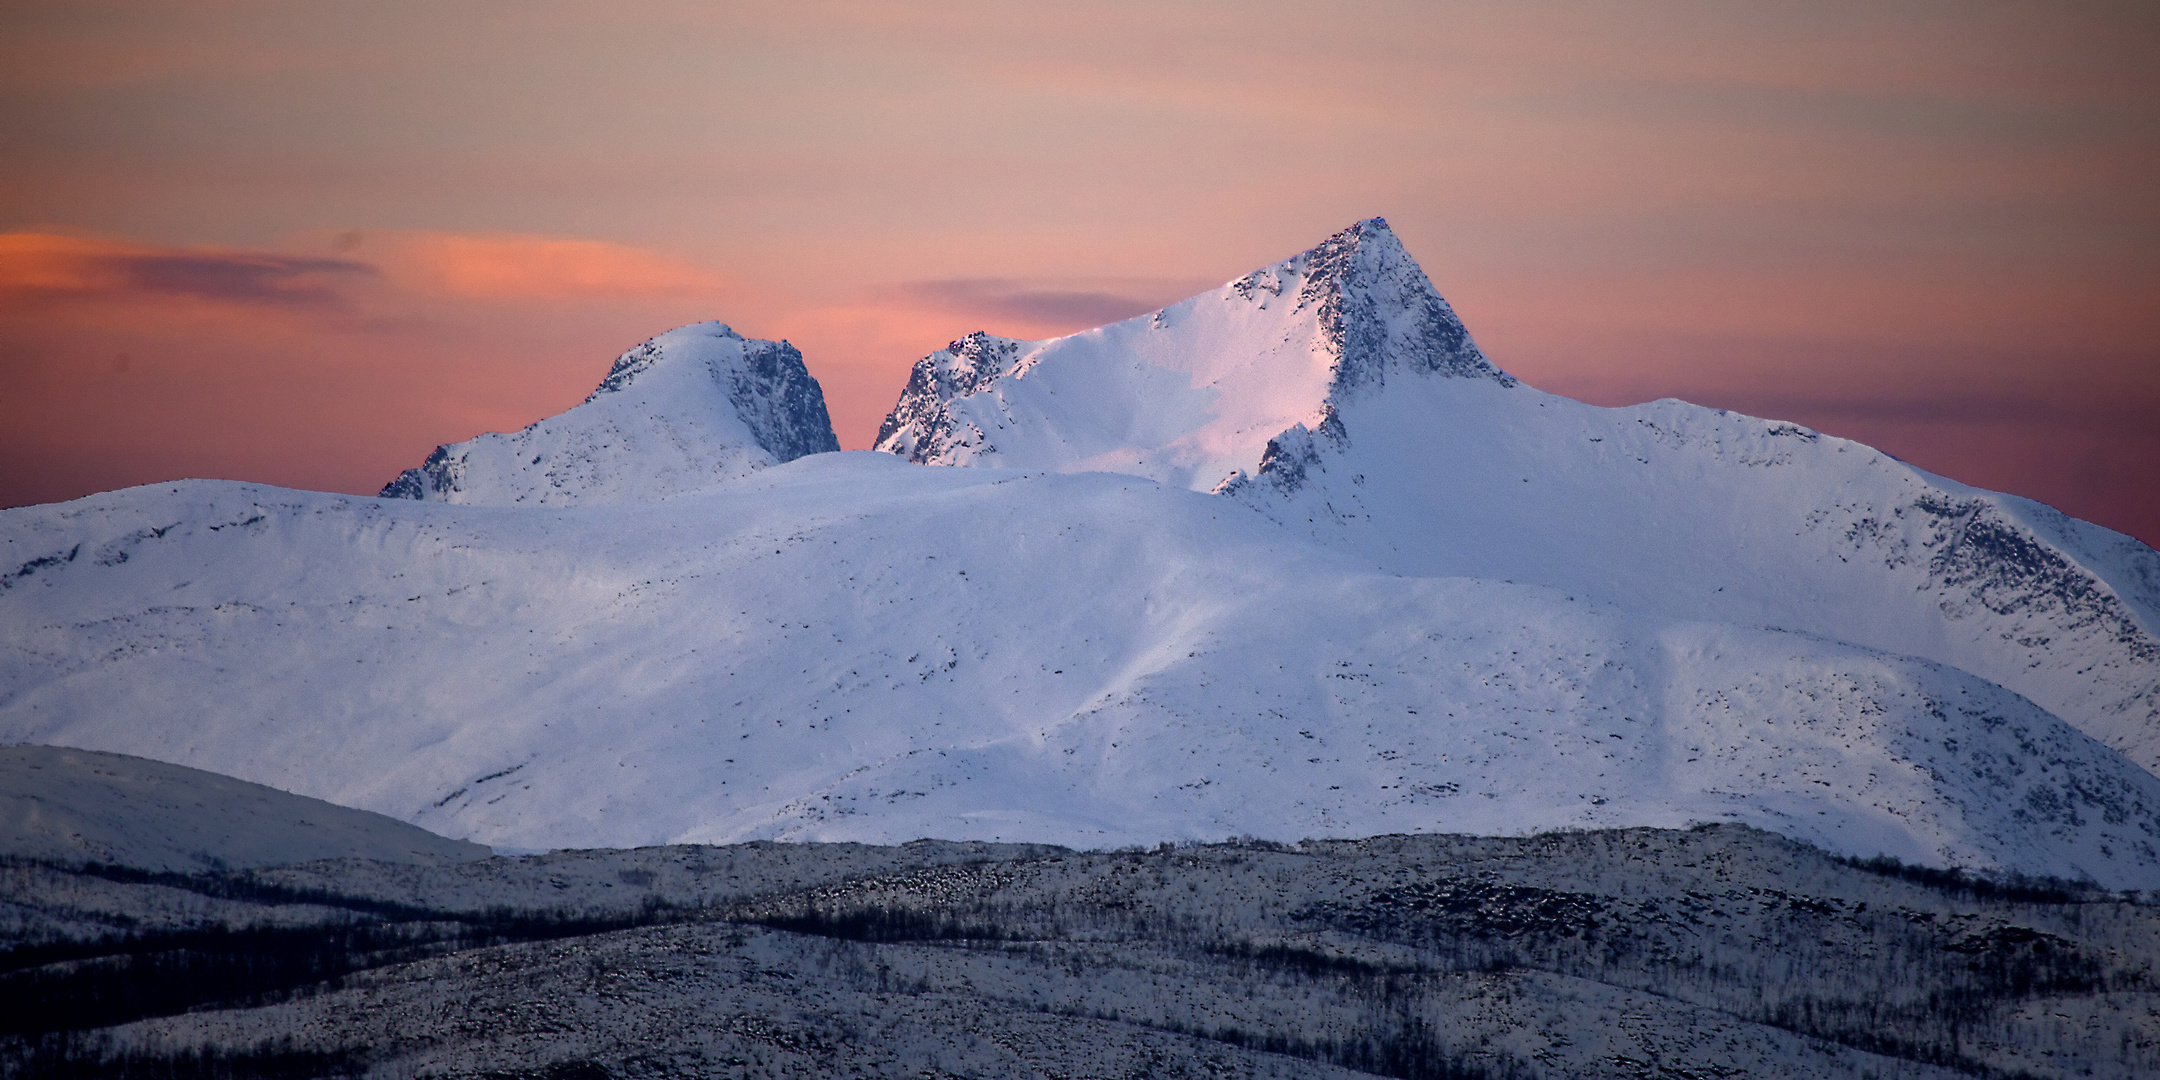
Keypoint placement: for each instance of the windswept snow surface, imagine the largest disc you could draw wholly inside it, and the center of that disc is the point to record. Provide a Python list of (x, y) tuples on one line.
[(1338, 394), (851, 647), (1690, 512), (78, 806), (681, 412)]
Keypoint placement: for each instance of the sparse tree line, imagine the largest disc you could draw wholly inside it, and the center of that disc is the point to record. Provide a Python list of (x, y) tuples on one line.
[(1384, 957)]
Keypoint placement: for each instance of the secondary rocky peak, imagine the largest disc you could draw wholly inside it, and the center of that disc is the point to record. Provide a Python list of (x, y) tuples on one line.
[(919, 427), (687, 409)]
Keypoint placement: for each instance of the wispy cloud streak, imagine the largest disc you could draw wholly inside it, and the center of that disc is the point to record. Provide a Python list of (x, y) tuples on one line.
[(1072, 304), (46, 266)]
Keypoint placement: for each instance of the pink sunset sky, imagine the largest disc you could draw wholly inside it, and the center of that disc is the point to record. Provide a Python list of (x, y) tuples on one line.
[(302, 243)]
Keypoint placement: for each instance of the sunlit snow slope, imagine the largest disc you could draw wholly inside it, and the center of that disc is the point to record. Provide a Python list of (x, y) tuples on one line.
[(1193, 394), (849, 646), (1338, 394), (681, 412)]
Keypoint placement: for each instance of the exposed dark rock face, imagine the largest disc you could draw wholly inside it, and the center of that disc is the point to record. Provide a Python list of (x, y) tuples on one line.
[(2004, 568), (769, 388), (782, 405), (437, 474), (1378, 311)]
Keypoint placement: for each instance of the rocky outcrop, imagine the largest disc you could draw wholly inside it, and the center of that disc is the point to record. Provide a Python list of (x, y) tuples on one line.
[(920, 427)]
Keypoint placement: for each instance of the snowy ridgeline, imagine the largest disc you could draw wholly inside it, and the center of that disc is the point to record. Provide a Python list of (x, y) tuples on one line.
[(1718, 951), (1287, 559)]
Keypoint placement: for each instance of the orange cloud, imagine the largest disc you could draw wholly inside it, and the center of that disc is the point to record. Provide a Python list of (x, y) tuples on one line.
[(510, 266), (50, 266), (1045, 306), (133, 362)]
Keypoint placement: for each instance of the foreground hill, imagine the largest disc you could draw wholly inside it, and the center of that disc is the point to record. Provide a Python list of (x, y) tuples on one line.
[(1719, 952)]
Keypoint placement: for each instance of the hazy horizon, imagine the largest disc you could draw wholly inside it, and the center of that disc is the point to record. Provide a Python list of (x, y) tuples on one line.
[(302, 244)]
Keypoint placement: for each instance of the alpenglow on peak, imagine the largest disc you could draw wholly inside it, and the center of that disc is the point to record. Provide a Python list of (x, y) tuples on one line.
[(1192, 395)]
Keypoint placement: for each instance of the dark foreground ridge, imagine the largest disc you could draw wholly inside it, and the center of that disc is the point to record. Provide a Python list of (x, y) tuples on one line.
[(1720, 951)]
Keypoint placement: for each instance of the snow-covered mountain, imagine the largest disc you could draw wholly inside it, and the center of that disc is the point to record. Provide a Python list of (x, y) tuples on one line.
[(681, 412), (1337, 393), (1274, 561)]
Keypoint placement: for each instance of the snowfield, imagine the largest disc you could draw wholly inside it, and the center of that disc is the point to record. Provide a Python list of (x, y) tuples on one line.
[(1287, 560)]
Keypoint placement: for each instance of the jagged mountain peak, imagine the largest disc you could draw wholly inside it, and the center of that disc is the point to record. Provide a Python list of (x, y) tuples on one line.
[(679, 412), (1376, 308), (1192, 394)]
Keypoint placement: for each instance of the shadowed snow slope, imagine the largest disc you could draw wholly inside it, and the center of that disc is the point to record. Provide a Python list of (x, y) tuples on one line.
[(1337, 393), (851, 647), (681, 412), (77, 806)]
